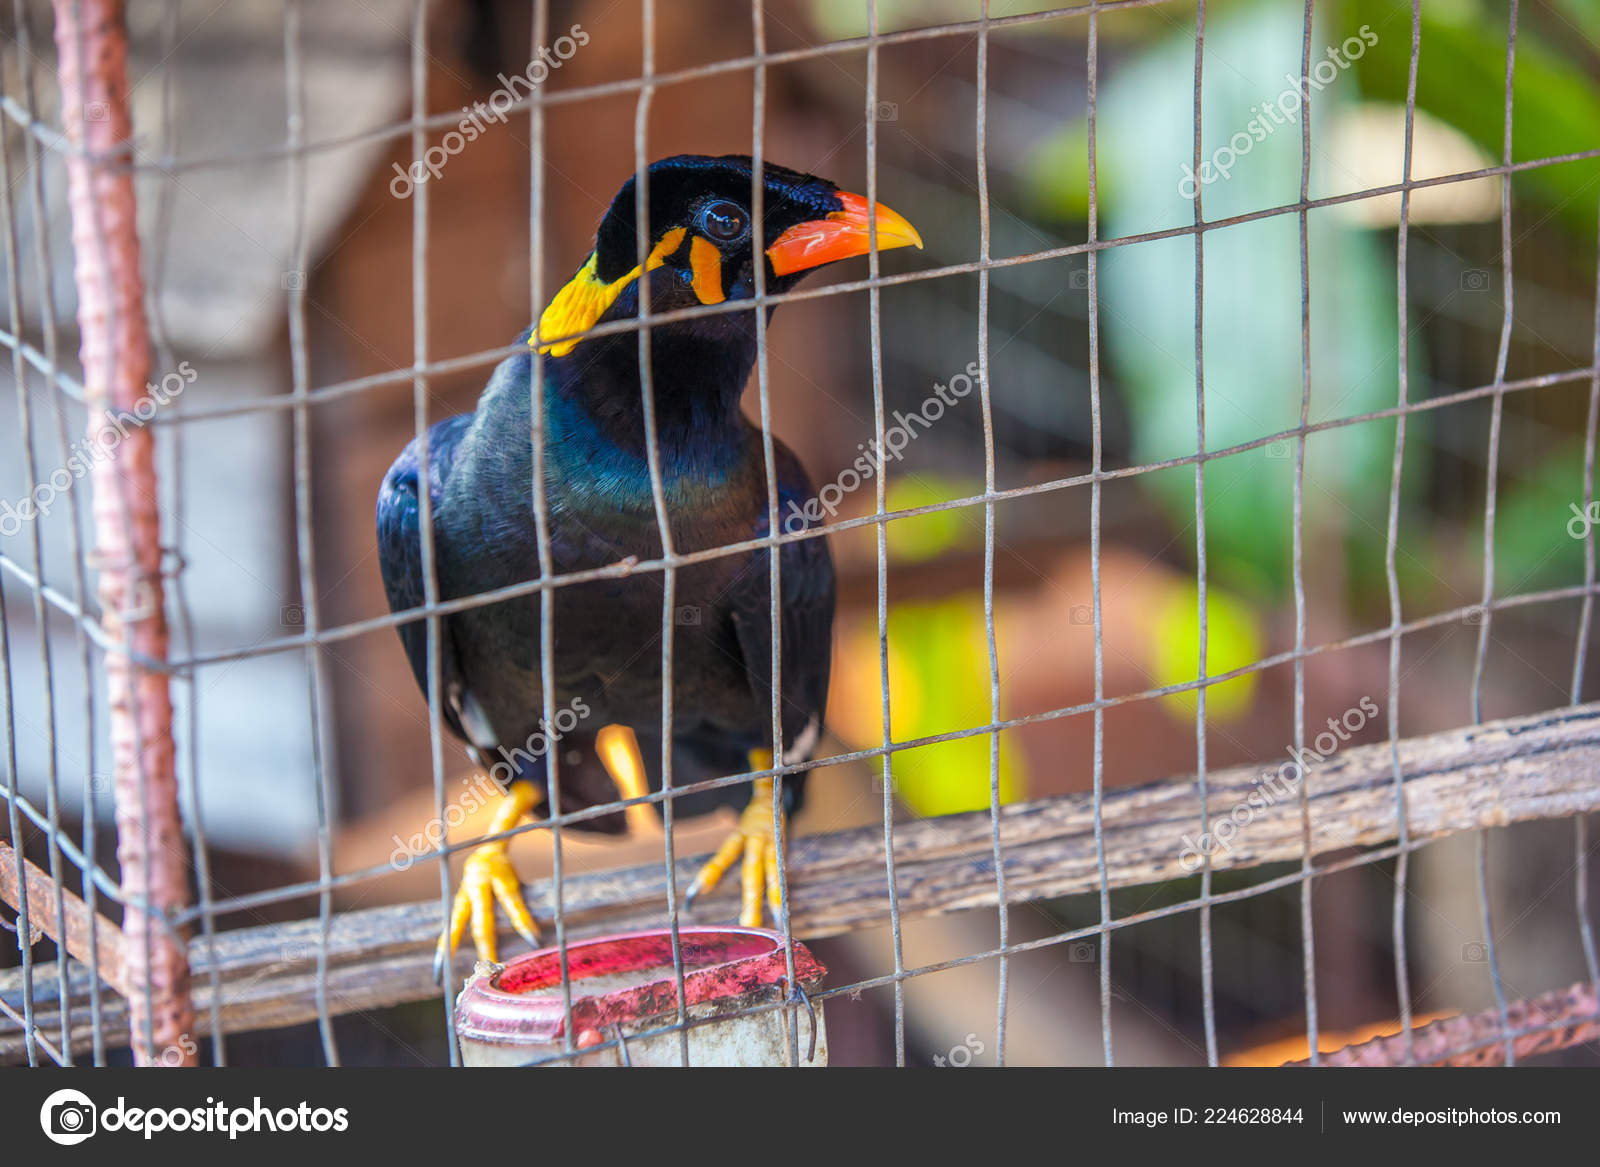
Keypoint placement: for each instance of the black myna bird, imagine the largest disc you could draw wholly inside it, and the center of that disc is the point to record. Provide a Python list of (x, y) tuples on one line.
[(601, 510)]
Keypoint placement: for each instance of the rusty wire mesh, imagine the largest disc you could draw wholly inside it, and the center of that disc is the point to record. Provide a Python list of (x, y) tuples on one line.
[(95, 645)]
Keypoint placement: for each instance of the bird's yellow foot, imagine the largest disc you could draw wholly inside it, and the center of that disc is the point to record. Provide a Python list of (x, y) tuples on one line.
[(489, 876), (754, 841), (618, 748)]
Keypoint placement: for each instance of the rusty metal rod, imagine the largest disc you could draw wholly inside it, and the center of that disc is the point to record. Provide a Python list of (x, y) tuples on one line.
[(92, 50), (1552, 1021)]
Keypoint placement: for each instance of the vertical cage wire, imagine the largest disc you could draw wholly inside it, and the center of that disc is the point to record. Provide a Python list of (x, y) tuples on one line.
[(981, 150), (1096, 501), (305, 538), (1402, 972), (105, 631), (182, 607), (875, 322), (1491, 494), (1580, 823), (1207, 964), (1308, 948)]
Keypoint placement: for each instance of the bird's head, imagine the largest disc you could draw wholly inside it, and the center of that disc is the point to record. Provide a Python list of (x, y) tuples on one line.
[(701, 248)]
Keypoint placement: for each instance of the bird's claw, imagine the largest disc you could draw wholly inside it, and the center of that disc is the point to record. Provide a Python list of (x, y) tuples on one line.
[(488, 877), (755, 842)]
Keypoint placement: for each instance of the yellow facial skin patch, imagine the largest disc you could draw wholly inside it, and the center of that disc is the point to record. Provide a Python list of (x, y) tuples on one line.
[(706, 263), (580, 304)]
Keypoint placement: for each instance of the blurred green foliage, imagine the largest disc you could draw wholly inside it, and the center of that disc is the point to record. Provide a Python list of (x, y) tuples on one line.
[(1252, 359), (1252, 303), (1461, 79), (1533, 545)]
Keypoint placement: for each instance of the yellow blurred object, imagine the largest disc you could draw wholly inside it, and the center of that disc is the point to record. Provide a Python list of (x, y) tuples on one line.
[(924, 537), (1233, 640), (938, 682)]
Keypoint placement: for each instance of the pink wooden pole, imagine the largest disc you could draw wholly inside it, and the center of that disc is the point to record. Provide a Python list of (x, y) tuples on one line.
[(91, 43)]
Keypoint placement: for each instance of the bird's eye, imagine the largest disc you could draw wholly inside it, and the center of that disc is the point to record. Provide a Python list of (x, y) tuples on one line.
[(724, 221)]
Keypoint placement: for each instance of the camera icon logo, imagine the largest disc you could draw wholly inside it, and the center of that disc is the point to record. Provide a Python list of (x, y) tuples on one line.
[(68, 1117), (299, 952), (886, 111), (687, 617), (1475, 279)]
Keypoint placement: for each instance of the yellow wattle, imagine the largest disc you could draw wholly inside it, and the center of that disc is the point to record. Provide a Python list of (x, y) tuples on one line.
[(705, 261), (578, 306)]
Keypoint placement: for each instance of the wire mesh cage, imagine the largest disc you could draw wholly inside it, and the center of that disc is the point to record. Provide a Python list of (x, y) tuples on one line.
[(1211, 503)]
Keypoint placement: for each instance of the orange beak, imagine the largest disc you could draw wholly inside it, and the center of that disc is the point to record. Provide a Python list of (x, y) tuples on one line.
[(841, 235)]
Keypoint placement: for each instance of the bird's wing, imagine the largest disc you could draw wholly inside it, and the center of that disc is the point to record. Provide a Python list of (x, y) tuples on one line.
[(805, 623), (400, 556)]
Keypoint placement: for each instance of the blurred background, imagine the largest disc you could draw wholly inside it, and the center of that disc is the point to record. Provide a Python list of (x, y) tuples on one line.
[(210, 108)]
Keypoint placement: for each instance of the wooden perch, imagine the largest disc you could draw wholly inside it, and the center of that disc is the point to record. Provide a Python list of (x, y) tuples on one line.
[(1540, 767), (42, 915)]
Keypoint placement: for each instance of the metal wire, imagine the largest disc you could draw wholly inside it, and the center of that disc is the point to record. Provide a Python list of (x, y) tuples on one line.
[(41, 140), (1307, 932), (47, 319), (1097, 456), (183, 612), (1580, 824), (880, 489), (1208, 989), (1402, 974), (1003, 969), (36, 549), (669, 581)]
